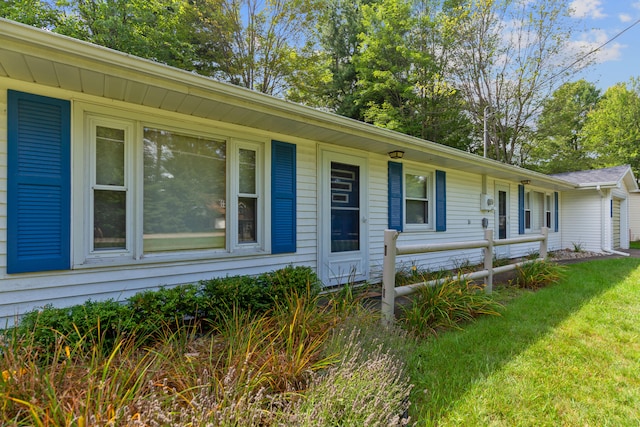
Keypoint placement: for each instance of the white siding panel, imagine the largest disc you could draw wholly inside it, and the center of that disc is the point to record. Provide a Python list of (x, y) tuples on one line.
[(581, 220), (634, 216), (464, 222)]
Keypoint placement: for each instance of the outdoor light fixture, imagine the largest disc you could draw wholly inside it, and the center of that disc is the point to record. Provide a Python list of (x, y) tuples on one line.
[(525, 182), (396, 154)]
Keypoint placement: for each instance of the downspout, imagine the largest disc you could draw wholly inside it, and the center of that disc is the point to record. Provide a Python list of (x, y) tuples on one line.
[(603, 210)]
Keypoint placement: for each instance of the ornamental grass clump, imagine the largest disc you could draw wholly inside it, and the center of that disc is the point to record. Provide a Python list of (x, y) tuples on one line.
[(537, 274), (367, 387), (445, 306)]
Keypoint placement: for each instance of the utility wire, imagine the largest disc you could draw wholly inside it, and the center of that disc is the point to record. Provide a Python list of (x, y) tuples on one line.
[(591, 52)]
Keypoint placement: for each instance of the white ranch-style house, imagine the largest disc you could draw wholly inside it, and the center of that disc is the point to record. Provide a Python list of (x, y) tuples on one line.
[(118, 174)]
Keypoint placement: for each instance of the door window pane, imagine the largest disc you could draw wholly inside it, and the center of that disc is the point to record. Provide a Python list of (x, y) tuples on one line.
[(502, 214), (345, 207), (184, 191)]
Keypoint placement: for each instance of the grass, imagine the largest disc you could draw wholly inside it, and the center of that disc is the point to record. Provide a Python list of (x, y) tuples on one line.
[(568, 354), (634, 245)]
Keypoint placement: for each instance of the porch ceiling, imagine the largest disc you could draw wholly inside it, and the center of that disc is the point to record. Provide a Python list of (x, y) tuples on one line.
[(37, 56)]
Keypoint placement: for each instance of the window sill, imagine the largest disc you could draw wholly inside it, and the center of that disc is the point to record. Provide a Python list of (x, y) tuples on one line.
[(173, 258), (413, 228)]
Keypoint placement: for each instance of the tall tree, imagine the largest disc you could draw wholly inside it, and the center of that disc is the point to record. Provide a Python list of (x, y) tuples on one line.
[(38, 13), (253, 43), (511, 55), (558, 144), (154, 29), (612, 130), (331, 82), (403, 69)]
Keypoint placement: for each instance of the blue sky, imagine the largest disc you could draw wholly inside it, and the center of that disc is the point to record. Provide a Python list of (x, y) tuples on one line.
[(619, 60)]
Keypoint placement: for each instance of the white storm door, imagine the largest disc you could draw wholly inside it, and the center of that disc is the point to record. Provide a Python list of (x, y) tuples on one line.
[(343, 219)]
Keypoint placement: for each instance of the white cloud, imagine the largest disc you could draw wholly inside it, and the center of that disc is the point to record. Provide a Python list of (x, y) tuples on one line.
[(594, 39), (625, 17), (587, 9)]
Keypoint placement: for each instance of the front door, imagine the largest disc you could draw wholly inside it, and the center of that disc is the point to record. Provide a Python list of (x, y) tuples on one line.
[(344, 249), (502, 220)]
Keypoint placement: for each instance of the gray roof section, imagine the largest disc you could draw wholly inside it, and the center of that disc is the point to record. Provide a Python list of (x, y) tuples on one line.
[(596, 176)]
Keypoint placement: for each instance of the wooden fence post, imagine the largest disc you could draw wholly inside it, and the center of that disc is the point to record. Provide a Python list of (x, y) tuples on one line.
[(488, 261), (389, 277), (544, 242)]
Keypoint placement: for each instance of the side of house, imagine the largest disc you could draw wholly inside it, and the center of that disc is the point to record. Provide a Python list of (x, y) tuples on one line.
[(119, 175), (596, 216)]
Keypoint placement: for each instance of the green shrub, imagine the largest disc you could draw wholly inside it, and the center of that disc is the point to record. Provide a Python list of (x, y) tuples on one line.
[(149, 313), (80, 326), (290, 280), (171, 307), (446, 306), (257, 294), (537, 274)]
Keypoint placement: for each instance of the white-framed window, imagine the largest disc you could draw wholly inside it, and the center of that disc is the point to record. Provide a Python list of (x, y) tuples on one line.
[(548, 208), (538, 208), (157, 190), (247, 189), (418, 195), (110, 208)]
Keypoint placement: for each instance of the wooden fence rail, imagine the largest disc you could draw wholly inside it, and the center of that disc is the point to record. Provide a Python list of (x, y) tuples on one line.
[(390, 292)]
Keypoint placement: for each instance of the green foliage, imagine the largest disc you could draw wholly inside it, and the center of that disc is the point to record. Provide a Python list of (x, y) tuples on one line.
[(31, 12), (577, 246), (499, 261), (559, 143), (155, 29), (555, 357), (257, 294), (446, 306), (612, 129), (537, 274), (80, 326), (410, 274), (150, 314), (166, 307)]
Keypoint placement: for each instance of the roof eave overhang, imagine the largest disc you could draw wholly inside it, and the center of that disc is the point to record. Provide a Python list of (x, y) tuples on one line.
[(233, 104)]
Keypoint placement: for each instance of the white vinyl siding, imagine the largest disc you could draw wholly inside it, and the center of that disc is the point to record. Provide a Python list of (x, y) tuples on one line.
[(581, 220)]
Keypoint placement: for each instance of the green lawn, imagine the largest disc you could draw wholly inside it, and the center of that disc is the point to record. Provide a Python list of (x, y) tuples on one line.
[(566, 355)]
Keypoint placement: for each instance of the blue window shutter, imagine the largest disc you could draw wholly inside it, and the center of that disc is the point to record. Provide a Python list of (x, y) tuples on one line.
[(520, 209), (556, 219), (283, 197), (39, 183), (441, 201), (395, 196)]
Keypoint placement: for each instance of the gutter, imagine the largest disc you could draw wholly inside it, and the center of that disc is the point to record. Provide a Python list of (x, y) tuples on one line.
[(612, 252)]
